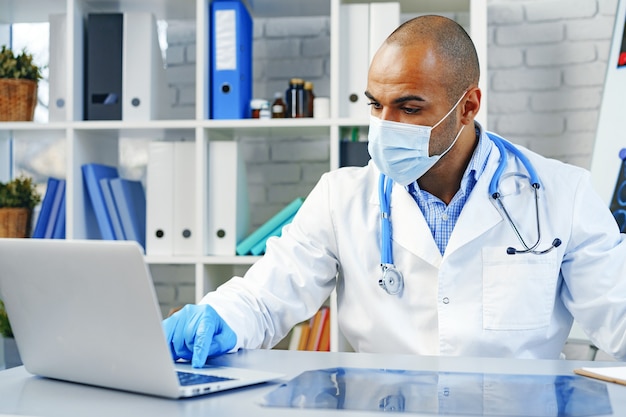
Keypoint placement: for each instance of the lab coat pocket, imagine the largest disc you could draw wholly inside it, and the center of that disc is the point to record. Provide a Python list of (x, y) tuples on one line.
[(518, 290)]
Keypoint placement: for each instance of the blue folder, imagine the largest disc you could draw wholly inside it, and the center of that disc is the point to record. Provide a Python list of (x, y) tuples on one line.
[(92, 173), (130, 200), (44, 211), (231, 60), (59, 225), (112, 209)]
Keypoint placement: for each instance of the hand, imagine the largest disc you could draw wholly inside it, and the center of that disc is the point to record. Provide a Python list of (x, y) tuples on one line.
[(197, 332)]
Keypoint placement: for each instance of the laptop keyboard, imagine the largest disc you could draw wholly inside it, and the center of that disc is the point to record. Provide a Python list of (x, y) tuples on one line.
[(190, 378)]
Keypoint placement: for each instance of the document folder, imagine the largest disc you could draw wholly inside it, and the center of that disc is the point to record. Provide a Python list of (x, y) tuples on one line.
[(103, 66), (227, 214), (143, 78), (57, 68), (231, 60), (353, 60), (159, 202)]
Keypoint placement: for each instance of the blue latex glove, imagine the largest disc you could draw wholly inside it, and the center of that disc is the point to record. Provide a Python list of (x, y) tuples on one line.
[(197, 332)]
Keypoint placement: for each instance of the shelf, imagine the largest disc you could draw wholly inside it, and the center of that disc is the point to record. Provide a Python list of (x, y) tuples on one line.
[(205, 260)]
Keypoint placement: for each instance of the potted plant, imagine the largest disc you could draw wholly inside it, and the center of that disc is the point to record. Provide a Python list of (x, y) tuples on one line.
[(18, 197), (19, 76)]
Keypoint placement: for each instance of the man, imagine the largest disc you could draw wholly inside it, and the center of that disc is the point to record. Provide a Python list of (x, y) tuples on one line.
[(477, 276)]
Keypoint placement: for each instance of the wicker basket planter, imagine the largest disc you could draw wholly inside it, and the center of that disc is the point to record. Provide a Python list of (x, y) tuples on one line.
[(18, 98), (15, 222)]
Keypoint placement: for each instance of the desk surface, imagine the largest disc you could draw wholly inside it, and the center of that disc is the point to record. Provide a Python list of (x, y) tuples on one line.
[(24, 394)]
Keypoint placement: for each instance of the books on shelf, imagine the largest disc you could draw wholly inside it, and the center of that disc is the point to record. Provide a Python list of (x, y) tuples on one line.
[(118, 203), (51, 220), (255, 242), (313, 334)]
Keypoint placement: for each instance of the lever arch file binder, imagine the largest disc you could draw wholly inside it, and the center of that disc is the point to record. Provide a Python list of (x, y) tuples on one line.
[(384, 19), (353, 60), (231, 60), (57, 68), (227, 211), (184, 196), (143, 75), (103, 66), (159, 202)]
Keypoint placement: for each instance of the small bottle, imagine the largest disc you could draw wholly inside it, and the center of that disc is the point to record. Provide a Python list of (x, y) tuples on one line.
[(278, 106), (308, 99), (255, 107), (265, 112), (295, 98)]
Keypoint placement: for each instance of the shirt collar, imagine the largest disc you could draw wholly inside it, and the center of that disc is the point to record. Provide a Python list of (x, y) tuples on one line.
[(476, 165)]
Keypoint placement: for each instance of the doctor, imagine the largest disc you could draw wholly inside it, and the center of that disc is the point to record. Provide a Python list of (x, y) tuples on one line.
[(488, 249)]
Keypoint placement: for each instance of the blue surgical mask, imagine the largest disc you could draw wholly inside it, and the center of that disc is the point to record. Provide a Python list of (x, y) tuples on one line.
[(400, 150)]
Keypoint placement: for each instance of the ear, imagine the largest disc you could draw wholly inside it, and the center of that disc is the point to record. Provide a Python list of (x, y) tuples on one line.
[(470, 105)]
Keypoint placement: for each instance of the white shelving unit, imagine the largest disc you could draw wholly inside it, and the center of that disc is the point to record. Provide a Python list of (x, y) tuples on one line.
[(98, 141)]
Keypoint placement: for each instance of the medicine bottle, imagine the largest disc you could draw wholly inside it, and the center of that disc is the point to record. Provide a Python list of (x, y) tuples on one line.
[(265, 112), (308, 99), (295, 98), (255, 107), (278, 106)]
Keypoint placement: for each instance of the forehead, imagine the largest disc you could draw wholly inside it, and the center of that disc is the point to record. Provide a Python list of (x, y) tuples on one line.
[(401, 70)]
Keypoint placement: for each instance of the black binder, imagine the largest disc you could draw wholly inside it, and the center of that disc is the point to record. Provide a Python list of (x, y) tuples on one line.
[(353, 154), (103, 66)]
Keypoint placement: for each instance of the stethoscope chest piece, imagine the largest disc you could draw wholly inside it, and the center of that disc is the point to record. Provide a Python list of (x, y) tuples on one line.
[(391, 280)]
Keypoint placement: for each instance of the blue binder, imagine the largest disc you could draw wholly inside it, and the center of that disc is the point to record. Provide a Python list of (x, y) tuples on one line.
[(92, 173), (46, 207), (231, 60), (130, 199)]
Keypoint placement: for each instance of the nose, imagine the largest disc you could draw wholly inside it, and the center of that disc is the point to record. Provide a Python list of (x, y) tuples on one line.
[(387, 113)]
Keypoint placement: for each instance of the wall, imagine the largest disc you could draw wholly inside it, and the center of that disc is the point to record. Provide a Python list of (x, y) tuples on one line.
[(546, 67)]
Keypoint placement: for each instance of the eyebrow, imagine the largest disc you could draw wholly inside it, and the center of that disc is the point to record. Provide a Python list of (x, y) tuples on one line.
[(398, 100)]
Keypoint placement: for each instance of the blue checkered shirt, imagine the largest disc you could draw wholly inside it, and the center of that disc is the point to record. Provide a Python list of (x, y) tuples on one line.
[(441, 218)]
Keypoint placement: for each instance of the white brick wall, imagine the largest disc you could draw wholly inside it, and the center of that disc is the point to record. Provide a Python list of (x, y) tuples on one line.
[(546, 65)]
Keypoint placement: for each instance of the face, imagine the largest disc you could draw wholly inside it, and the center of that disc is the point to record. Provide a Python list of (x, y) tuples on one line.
[(407, 85)]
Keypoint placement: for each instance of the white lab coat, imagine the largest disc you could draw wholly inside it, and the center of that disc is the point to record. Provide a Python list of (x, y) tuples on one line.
[(475, 300)]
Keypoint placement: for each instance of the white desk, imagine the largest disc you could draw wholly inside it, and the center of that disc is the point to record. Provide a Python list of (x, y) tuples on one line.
[(24, 394)]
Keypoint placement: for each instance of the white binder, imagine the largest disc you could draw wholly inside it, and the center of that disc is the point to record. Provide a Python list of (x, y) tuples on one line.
[(353, 60), (228, 215), (384, 19), (57, 68), (143, 74), (159, 201), (185, 233)]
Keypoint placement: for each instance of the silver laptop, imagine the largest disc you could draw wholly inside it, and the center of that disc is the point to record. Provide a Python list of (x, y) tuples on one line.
[(86, 311)]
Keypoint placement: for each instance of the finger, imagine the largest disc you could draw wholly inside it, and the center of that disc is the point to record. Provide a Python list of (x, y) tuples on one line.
[(203, 340)]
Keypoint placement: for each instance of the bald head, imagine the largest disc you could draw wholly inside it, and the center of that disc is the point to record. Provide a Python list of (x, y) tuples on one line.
[(450, 42)]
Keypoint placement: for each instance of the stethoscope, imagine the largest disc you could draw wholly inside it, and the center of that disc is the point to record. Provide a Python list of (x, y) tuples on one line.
[(392, 280)]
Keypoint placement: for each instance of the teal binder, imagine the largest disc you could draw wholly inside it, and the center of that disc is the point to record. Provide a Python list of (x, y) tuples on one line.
[(246, 245)]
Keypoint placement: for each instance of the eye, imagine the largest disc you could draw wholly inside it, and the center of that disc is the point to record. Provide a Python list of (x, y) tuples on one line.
[(375, 105), (411, 110)]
